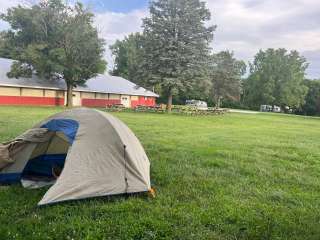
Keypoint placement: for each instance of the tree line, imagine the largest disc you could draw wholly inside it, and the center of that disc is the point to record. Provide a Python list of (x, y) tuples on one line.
[(172, 55)]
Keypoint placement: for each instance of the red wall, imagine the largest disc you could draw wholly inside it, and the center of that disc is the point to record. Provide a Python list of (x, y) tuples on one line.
[(149, 101), (38, 101), (52, 101), (134, 103), (87, 102)]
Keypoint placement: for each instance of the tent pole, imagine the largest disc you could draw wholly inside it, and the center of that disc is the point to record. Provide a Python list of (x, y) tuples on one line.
[(125, 167)]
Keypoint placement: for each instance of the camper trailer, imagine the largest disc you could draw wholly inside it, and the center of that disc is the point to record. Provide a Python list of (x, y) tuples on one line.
[(200, 105)]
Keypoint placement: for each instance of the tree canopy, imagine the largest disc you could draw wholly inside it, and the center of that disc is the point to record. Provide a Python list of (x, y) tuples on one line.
[(276, 78), (312, 100), (225, 74), (128, 56), (53, 40)]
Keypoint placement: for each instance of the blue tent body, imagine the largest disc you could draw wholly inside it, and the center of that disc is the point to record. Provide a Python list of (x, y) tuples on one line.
[(68, 126), (42, 165)]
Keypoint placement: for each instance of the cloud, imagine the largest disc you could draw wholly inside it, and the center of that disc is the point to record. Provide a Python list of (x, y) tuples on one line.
[(313, 58), (244, 26), (5, 4), (112, 26)]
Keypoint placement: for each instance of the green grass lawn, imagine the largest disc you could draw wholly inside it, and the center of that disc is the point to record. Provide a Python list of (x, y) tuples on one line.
[(237, 176)]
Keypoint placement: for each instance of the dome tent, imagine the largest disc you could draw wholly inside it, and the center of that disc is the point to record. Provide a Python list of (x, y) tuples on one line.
[(98, 154)]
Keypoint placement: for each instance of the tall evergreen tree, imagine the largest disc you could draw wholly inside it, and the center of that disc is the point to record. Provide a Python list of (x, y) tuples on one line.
[(53, 40), (225, 74), (176, 44), (276, 78)]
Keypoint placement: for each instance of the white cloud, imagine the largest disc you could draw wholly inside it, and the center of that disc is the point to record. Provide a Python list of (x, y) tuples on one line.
[(244, 26), (113, 26), (5, 4)]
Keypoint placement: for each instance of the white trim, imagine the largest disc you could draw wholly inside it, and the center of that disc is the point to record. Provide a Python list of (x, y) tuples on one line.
[(75, 90), (35, 87)]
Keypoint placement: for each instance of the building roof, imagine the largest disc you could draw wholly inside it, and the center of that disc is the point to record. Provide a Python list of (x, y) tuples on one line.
[(103, 83)]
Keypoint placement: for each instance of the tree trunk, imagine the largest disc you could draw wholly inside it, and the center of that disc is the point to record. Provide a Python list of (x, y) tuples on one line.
[(69, 95), (218, 102), (169, 104)]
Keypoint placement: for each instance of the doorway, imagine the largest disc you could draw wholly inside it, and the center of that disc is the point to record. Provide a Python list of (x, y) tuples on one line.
[(125, 101), (76, 99)]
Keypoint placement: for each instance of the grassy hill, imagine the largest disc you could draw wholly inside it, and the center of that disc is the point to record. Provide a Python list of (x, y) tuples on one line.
[(237, 176)]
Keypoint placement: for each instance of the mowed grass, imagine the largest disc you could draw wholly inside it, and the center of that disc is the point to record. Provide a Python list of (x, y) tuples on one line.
[(237, 176)]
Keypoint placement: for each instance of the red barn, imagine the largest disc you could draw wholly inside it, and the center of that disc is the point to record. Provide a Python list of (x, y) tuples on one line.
[(100, 91)]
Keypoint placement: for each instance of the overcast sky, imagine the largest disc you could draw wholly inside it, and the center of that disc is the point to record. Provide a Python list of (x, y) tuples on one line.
[(244, 26)]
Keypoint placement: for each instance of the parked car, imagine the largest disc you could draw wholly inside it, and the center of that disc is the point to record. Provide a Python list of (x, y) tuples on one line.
[(201, 105)]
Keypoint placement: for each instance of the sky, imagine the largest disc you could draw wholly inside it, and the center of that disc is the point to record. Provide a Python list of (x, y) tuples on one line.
[(243, 26)]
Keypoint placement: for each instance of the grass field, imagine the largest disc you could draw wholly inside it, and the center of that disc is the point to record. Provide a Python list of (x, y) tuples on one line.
[(237, 176)]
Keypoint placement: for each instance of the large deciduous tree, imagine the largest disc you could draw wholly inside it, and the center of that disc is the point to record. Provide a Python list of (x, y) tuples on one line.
[(53, 40), (312, 99), (176, 46), (128, 56), (276, 78), (225, 74)]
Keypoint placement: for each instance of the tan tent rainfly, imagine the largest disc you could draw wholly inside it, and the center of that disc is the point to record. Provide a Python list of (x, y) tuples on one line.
[(97, 153)]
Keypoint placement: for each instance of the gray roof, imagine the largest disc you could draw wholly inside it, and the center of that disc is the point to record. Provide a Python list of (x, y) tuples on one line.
[(103, 83)]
